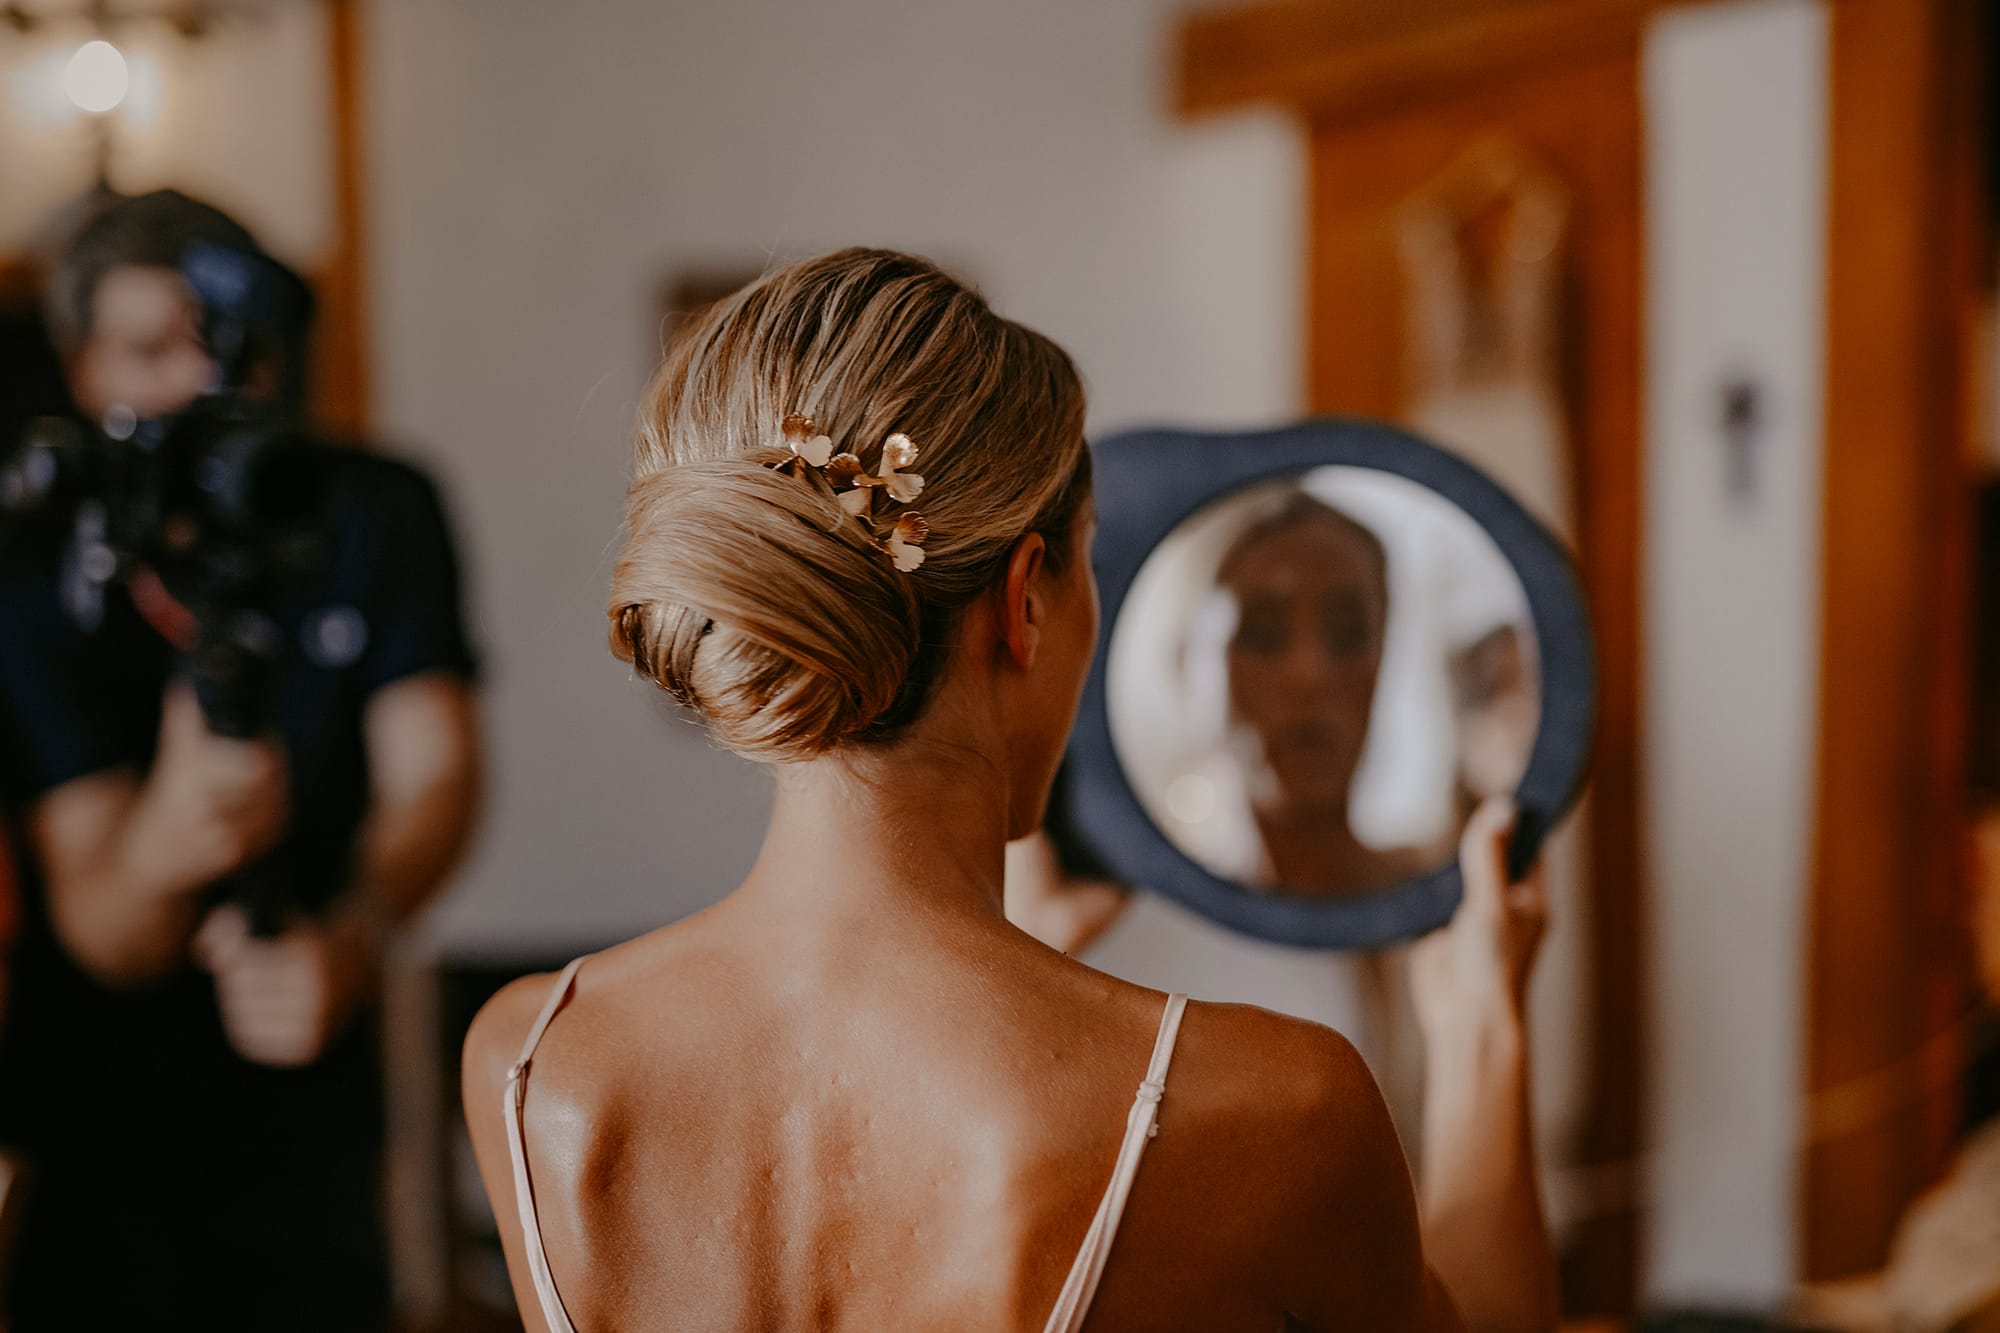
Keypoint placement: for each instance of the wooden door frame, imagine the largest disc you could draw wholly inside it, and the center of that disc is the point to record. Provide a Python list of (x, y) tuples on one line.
[(343, 388), (1888, 962)]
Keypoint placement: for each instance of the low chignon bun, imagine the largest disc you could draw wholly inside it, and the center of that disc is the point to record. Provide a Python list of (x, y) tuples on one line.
[(774, 677), (746, 592)]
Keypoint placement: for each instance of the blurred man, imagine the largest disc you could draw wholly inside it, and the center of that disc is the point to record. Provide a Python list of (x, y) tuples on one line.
[(202, 1104)]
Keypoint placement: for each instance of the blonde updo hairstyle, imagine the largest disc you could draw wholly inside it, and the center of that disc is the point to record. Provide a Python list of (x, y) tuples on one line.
[(747, 593)]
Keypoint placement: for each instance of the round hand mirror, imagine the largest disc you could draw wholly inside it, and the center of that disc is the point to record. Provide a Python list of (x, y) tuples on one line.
[(1321, 647)]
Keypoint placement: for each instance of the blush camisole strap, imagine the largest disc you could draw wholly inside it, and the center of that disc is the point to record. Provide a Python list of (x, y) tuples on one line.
[(1077, 1292)]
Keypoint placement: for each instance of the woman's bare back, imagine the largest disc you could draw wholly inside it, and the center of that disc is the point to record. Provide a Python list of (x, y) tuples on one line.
[(728, 1131)]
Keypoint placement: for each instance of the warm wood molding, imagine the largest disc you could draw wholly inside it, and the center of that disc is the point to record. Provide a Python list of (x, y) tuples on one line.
[(20, 281), (342, 388), (1347, 57), (1888, 963)]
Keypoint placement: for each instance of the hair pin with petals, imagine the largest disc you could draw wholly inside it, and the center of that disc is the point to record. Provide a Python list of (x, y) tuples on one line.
[(854, 488)]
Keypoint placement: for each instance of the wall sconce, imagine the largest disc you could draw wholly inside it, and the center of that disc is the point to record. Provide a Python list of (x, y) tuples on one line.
[(97, 76)]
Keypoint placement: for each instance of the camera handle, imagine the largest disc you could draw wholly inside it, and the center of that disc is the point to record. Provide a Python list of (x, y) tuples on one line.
[(234, 665), (260, 890)]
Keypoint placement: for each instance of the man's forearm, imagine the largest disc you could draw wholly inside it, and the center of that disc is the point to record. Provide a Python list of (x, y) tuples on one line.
[(125, 908), (407, 851), (408, 848), (424, 749)]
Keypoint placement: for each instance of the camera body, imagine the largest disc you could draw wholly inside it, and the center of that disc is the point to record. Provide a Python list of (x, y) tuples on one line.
[(220, 501)]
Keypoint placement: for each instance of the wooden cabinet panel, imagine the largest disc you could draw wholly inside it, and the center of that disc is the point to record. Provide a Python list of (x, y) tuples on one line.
[(1889, 964)]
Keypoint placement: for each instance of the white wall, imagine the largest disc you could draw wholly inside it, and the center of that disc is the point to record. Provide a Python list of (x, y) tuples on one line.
[(539, 169), (1736, 109), (240, 118)]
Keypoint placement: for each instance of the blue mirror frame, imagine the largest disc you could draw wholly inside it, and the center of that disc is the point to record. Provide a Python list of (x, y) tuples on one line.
[(1148, 482)]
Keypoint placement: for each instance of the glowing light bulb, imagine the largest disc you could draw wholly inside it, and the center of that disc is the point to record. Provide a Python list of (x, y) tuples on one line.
[(96, 77)]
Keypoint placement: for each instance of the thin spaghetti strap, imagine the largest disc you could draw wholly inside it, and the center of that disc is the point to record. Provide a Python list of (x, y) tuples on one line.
[(553, 1313), (1141, 1124)]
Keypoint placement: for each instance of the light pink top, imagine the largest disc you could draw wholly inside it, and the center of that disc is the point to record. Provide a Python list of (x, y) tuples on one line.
[(1077, 1292)]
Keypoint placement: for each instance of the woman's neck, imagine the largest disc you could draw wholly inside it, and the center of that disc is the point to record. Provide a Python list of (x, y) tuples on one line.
[(919, 825)]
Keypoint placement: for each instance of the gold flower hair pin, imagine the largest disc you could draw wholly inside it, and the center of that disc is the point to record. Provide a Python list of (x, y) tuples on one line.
[(854, 489)]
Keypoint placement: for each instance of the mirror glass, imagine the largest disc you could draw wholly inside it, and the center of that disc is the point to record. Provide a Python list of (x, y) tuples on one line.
[(1314, 679)]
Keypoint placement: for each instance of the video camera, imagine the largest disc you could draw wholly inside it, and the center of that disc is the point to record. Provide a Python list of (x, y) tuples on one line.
[(221, 501)]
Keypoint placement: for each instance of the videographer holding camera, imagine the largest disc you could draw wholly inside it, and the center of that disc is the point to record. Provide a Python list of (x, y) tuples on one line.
[(243, 749)]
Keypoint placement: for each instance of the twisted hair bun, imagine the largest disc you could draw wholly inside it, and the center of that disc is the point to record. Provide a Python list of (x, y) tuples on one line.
[(747, 593), (753, 600)]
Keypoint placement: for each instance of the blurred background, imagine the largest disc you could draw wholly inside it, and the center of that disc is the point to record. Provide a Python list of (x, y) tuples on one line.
[(1760, 312)]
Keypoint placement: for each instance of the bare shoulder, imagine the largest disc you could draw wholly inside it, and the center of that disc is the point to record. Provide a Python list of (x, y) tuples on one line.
[(493, 1043), (1285, 1106), (1287, 1069), (1298, 1132), (586, 1024)]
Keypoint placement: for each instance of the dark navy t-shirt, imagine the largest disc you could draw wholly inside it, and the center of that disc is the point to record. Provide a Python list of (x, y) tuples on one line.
[(144, 1080)]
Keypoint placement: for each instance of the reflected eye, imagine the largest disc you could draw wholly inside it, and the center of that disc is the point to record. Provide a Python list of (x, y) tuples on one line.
[(1346, 631), (1345, 627), (1261, 631)]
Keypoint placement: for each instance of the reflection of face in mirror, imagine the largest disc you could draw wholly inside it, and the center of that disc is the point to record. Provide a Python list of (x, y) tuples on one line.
[(1313, 681), (1310, 594)]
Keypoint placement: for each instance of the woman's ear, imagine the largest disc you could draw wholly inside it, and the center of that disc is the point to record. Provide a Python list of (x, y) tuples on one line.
[(1024, 606)]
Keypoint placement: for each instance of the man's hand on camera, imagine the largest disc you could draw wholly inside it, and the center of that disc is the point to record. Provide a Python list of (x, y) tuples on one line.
[(283, 999), (128, 859), (213, 805)]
